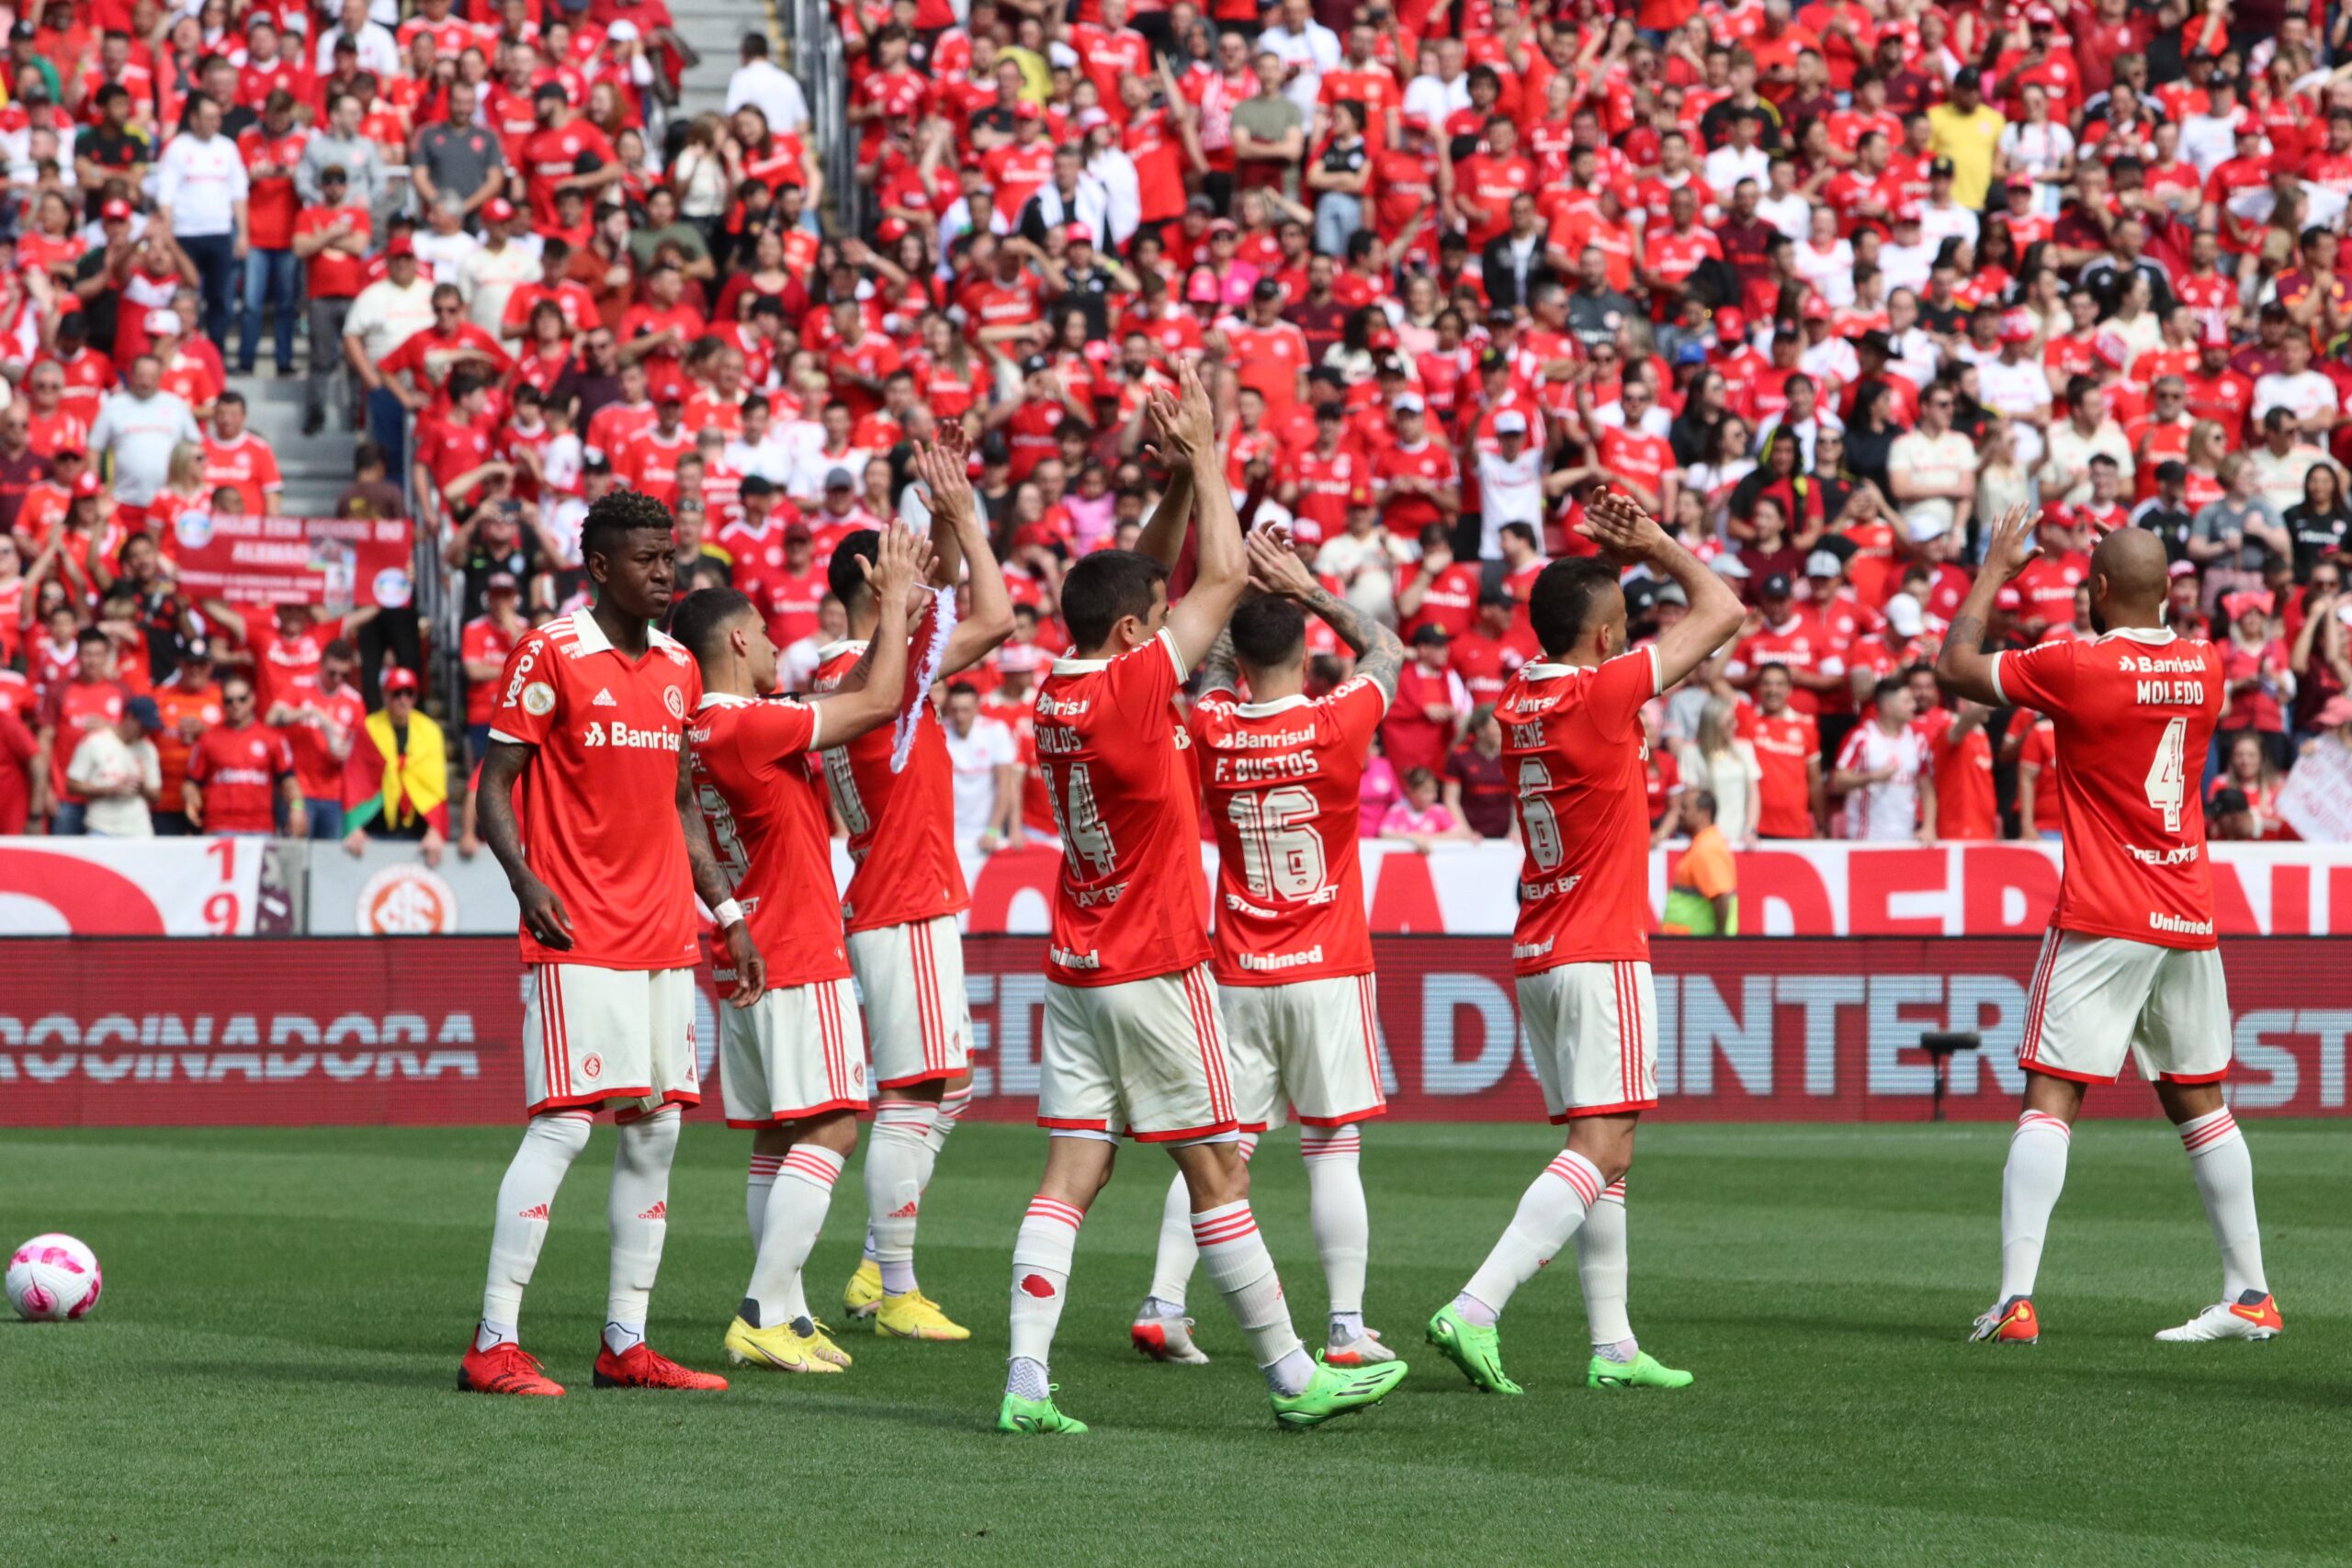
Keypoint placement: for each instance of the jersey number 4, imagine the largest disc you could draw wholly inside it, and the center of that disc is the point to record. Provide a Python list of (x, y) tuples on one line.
[(2167, 783), (1282, 854), (1080, 822)]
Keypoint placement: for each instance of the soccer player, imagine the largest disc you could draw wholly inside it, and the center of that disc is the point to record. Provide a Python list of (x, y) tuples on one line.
[(2130, 960), (1572, 750), (792, 1065), (1292, 953), (591, 722), (1133, 1043), (895, 792)]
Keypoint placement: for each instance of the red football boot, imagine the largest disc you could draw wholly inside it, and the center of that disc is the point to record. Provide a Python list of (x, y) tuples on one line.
[(644, 1367), (504, 1367)]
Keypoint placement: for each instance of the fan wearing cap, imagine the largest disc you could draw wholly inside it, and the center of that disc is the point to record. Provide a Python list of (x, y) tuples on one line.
[(491, 273), (1789, 633), (1966, 130), (2216, 389), (1032, 425), (2015, 384), (565, 152), (1270, 353), (649, 463), (1414, 477), (190, 364)]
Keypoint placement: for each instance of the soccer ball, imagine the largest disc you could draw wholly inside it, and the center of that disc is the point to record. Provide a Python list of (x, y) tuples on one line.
[(53, 1278)]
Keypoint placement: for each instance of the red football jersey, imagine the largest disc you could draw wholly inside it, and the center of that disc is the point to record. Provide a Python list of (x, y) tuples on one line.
[(1280, 779), (1129, 906), (597, 797), (2134, 713), (902, 825), (1965, 806), (1574, 752), (756, 779), (1785, 743), (239, 770)]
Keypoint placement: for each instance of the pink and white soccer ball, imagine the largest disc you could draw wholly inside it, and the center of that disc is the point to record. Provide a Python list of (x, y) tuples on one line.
[(53, 1279)]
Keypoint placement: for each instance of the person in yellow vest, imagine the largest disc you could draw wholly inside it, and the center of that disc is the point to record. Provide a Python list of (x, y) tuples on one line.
[(396, 783), (1702, 896)]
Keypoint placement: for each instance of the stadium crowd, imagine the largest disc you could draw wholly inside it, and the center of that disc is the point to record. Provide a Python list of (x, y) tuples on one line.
[(1823, 288)]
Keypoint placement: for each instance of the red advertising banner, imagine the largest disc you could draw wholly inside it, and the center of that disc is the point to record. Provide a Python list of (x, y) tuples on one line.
[(296, 560), (155, 1032)]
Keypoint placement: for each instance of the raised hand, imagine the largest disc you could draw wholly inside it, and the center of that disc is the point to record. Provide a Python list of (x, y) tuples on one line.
[(900, 560), (1618, 525), (1184, 423), (1274, 567), (940, 467), (2011, 544)]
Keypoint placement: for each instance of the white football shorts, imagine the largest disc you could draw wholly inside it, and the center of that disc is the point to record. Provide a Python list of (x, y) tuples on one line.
[(795, 1053), (1144, 1059), (1311, 1045), (912, 979), (1592, 1029), (2095, 997), (617, 1038)]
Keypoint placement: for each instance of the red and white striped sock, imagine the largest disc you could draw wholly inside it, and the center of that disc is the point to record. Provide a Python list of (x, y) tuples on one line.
[(550, 1143), (1235, 1258), (1335, 1208), (895, 1156), (1172, 1264), (1600, 1268), (1549, 1213), (2030, 1182), (757, 1185), (1041, 1251), (2223, 1168), (801, 1193)]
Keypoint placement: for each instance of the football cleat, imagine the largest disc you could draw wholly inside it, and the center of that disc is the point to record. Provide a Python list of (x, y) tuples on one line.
[(1336, 1391), (504, 1367), (913, 1315), (1365, 1350), (1038, 1417), (1641, 1372), (862, 1295), (1167, 1340), (644, 1367), (1477, 1351), (2011, 1323), (2254, 1315), (799, 1346)]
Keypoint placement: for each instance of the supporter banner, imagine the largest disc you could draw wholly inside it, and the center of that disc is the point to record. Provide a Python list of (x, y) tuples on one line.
[(295, 560), (131, 887), (2317, 798), (324, 1031)]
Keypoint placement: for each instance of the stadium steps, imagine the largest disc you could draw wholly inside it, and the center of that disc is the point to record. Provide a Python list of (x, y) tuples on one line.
[(316, 467), (716, 28)]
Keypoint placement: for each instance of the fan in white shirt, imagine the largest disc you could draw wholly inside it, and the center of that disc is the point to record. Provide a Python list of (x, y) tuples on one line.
[(1883, 772)]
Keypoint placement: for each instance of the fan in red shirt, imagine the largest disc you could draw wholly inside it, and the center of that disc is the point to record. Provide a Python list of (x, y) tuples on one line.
[(270, 149), (1960, 755), (605, 861), (1788, 633), (238, 768), (2130, 962), (1788, 756), (235, 458), (565, 152), (1414, 476)]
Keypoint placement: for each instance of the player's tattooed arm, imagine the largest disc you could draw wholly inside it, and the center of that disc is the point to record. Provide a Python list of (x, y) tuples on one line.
[(1962, 667), (544, 914), (1275, 568), (1220, 671), (713, 889)]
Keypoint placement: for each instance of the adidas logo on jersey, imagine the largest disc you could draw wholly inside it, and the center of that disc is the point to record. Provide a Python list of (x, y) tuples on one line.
[(619, 734), (604, 699)]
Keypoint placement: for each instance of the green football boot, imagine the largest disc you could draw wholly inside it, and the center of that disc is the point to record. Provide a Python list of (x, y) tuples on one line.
[(1477, 1351), (1336, 1391), (1036, 1416), (1641, 1372)]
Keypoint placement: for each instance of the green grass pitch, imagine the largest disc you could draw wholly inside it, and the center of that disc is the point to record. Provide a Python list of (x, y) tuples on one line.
[(270, 1376)]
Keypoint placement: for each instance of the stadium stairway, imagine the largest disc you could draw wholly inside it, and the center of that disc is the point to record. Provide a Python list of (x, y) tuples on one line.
[(316, 469), (715, 29)]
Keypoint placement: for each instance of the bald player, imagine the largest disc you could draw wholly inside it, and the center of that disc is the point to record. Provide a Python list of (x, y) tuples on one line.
[(2130, 961)]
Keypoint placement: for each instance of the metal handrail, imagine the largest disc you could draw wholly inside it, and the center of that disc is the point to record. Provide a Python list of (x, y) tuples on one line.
[(822, 66)]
